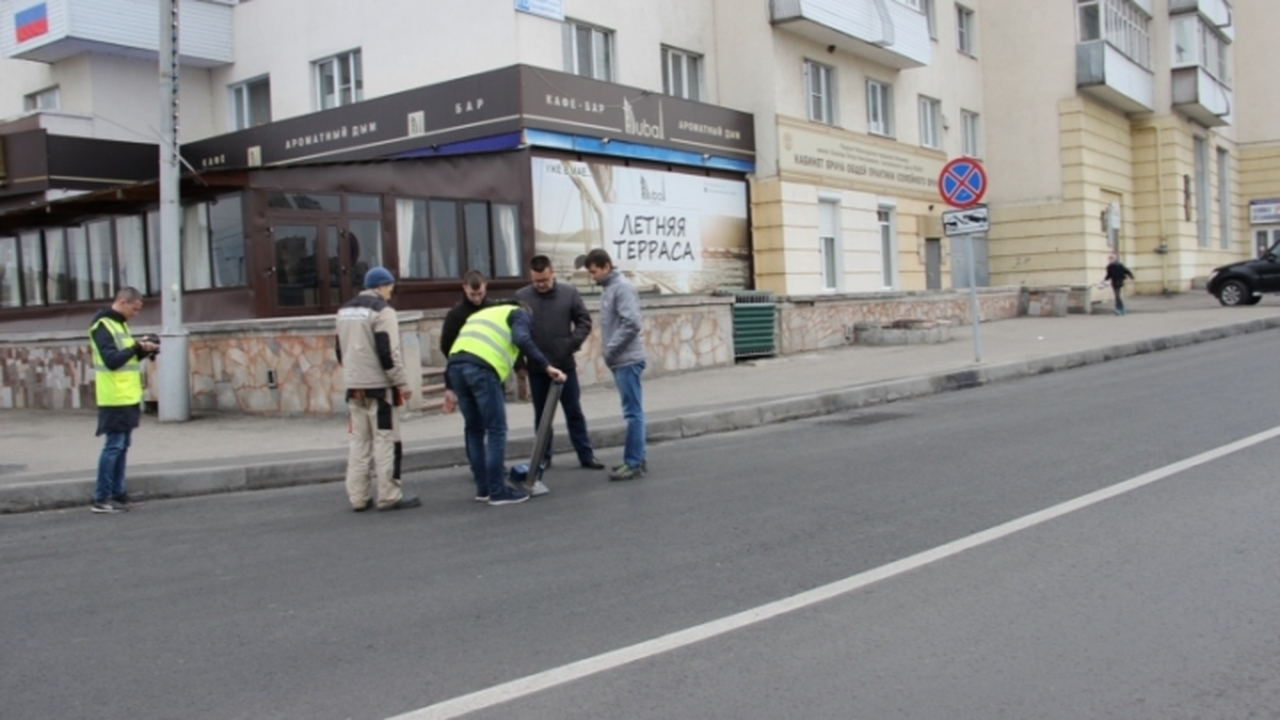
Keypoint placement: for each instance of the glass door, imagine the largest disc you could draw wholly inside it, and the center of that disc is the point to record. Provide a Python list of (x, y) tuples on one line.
[(306, 273)]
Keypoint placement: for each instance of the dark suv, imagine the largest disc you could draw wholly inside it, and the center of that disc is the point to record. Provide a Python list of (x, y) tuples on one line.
[(1245, 282)]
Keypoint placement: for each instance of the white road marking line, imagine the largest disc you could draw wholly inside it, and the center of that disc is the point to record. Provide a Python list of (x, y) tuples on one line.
[(506, 692)]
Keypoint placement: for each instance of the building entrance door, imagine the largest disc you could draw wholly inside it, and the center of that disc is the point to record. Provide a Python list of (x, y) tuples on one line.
[(932, 264), (1263, 239), (311, 270)]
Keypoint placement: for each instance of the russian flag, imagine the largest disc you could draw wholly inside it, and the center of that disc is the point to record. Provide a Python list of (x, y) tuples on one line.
[(32, 22)]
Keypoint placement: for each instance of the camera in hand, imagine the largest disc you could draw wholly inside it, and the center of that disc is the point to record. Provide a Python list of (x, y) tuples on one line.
[(149, 338)]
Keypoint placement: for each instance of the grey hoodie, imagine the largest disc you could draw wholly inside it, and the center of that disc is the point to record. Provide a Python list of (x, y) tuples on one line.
[(620, 322)]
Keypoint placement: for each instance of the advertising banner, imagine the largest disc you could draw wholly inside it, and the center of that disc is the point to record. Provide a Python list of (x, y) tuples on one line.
[(676, 232)]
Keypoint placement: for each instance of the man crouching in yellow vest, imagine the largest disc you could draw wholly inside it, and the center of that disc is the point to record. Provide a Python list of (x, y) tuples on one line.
[(479, 363), (117, 382), (368, 348)]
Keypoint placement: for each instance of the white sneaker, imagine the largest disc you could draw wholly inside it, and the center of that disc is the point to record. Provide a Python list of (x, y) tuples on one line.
[(539, 488)]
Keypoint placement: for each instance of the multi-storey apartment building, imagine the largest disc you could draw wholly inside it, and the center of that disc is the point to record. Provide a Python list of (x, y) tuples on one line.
[(789, 145)]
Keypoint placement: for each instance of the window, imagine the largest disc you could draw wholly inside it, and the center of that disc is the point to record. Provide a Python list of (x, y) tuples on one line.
[(131, 249), (1202, 191), (885, 218), (251, 103), (820, 89), (339, 80), (102, 267), (681, 74), (879, 108), (196, 273), (589, 51), (428, 235), (10, 288), (226, 241), (965, 31), (364, 238), (1196, 43), (57, 279), (1121, 23), (78, 264), (930, 14), (31, 252), (913, 4), (47, 99), (828, 216), (1224, 198), (972, 134), (930, 123)]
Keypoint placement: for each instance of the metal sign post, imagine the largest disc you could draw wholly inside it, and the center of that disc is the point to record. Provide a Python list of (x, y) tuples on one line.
[(962, 184)]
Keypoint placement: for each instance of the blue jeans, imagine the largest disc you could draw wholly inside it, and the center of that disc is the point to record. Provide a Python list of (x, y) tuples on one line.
[(484, 412), (111, 467), (571, 401), (627, 378)]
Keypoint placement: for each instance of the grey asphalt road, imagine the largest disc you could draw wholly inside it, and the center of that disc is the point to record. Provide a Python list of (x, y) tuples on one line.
[(1158, 603)]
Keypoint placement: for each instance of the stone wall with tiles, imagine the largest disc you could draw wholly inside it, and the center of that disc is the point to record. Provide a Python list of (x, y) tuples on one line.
[(825, 321)]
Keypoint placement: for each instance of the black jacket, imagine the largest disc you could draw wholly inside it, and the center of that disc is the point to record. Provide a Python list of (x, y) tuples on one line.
[(1116, 274), (561, 323), (454, 321)]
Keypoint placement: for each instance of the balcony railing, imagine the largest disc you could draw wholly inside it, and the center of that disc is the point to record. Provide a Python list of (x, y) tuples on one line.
[(54, 30), (1108, 75), (887, 32)]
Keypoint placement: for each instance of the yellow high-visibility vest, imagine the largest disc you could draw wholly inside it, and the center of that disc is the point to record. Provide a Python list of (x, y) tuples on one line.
[(487, 335), (122, 386)]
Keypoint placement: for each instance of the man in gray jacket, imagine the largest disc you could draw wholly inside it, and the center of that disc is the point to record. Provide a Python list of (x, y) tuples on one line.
[(561, 324), (622, 346), (368, 348)]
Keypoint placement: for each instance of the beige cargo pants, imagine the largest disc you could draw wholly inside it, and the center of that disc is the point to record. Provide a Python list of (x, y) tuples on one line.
[(375, 439)]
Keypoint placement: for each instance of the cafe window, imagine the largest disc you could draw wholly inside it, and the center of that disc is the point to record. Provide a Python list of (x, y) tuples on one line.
[(31, 251), (57, 276), (10, 287), (442, 239), (226, 241), (131, 250), (196, 273), (78, 264), (102, 267)]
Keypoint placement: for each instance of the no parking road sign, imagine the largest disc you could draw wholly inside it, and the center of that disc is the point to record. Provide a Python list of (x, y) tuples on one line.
[(962, 182)]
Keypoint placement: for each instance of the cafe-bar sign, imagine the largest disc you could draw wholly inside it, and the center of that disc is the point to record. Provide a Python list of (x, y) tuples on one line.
[(553, 9)]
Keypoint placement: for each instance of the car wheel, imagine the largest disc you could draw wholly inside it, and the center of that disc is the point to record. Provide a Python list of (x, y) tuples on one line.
[(1234, 292)]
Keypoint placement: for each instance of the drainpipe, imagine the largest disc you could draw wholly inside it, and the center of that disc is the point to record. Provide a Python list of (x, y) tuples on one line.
[(886, 22), (1163, 248)]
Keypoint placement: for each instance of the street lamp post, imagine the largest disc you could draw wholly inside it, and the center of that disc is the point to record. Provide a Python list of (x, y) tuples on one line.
[(174, 392)]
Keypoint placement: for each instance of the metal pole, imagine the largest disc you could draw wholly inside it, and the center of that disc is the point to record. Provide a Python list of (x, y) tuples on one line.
[(174, 392), (973, 303)]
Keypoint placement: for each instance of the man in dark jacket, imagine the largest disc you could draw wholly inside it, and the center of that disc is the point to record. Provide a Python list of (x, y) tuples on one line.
[(1116, 273), (117, 384), (561, 325), (474, 286)]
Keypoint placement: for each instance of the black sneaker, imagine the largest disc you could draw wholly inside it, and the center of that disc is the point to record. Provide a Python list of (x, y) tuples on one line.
[(122, 502), (508, 497), (105, 507), (408, 501), (592, 464)]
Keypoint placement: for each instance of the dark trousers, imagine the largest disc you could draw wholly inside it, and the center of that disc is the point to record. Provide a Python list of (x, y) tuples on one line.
[(571, 401), (1119, 291)]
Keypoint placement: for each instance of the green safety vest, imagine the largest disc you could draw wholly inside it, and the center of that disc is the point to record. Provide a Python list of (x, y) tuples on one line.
[(487, 335), (123, 386)]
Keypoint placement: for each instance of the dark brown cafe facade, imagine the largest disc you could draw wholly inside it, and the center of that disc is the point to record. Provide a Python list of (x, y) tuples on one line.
[(281, 221)]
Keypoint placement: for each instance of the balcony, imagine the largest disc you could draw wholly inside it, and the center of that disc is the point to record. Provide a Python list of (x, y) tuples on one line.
[(1200, 96), (1216, 12), (886, 32), (1107, 75), (54, 30)]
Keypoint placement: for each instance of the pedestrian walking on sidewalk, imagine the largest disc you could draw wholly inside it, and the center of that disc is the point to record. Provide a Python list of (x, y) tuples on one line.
[(474, 290), (117, 364), (561, 325), (622, 346), (1116, 273), (483, 356), (373, 372)]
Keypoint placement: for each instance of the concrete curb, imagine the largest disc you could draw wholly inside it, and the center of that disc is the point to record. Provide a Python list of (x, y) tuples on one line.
[(59, 493)]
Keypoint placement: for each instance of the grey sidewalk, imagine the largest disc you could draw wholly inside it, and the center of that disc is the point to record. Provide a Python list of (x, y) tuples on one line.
[(48, 459)]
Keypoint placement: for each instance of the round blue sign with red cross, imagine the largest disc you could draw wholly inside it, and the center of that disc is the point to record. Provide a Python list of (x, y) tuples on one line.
[(962, 182)]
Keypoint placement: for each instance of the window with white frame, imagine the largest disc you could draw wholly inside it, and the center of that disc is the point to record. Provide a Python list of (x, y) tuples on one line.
[(930, 123), (913, 4), (965, 29), (879, 108), (884, 216), (1224, 198), (828, 248), (681, 73), (251, 103), (819, 82), (930, 13), (1123, 24), (47, 99), (588, 50), (971, 133), (1197, 43), (1202, 191), (339, 80)]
